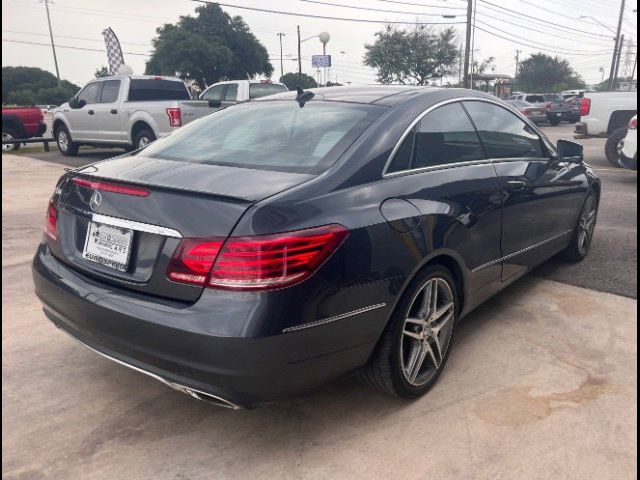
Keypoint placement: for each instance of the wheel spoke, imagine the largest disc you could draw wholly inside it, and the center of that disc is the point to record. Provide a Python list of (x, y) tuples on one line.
[(429, 349), (411, 334), (417, 359)]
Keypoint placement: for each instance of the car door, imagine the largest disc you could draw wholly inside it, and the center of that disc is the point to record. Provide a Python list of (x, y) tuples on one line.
[(81, 121), (106, 116), (445, 174), (539, 192), (230, 95), (215, 94)]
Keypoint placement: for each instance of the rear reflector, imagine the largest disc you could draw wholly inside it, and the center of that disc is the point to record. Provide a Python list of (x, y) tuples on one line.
[(51, 221), (633, 124), (175, 117), (585, 107), (255, 263), (111, 187)]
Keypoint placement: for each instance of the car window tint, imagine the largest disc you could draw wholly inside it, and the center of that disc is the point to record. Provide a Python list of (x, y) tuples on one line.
[(402, 159), (503, 134), (446, 136), (214, 93), (110, 90), (149, 89), (534, 98), (231, 95), (90, 93), (257, 90)]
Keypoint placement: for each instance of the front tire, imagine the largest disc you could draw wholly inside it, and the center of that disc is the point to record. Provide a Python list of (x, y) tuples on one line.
[(67, 147), (8, 134), (416, 343), (613, 147), (582, 238)]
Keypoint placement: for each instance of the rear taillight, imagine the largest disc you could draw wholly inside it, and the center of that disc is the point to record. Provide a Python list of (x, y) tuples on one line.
[(585, 107), (526, 111), (51, 221), (548, 107), (111, 187), (175, 117), (633, 124), (255, 263)]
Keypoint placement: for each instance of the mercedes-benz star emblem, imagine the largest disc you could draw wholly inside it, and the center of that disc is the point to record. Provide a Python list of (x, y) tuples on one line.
[(96, 201)]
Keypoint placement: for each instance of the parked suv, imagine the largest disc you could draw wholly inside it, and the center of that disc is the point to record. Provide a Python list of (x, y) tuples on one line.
[(21, 122), (124, 111)]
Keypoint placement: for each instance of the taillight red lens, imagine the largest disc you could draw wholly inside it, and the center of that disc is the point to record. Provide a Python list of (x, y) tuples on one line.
[(51, 221), (255, 263), (633, 124), (585, 107), (111, 187), (175, 117), (193, 259)]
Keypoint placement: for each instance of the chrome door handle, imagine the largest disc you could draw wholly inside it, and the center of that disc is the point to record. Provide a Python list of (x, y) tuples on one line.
[(516, 184)]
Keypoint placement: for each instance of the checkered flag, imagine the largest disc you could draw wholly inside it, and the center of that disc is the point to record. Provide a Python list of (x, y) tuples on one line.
[(114, 52)]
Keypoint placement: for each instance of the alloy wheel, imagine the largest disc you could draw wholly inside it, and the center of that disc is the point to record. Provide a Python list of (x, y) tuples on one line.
[(63, 140), (587, 225), (427, 330), (7, 147), (143, 142)]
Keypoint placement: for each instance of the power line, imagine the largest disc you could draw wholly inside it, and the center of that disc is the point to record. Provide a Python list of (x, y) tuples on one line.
[(70, 47), (371, 9), (71, 37), (542, 19), (322, 17), (422, 5)]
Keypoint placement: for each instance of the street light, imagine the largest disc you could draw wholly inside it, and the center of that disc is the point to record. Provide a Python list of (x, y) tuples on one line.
[(598, 22)]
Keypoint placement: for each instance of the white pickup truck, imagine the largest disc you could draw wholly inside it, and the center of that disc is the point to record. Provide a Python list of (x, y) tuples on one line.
[(224, 94), (127, 111), (607, 114)]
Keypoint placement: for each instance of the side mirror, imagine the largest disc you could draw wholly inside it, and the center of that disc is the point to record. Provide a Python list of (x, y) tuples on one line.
[(215, 103), (571, 152), (75, 103)]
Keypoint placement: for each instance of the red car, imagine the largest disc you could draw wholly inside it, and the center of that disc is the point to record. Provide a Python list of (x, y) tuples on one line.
[(21, 122)]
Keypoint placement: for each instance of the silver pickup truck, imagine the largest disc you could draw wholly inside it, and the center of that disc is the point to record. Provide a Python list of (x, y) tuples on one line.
[(124, 111)]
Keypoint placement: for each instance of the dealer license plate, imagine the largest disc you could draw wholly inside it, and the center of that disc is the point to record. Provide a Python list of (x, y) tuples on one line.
[(107, 245)]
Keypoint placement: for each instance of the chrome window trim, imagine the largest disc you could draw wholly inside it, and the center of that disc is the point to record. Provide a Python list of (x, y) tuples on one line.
[(458, 164), (133, 225), (335, 318), (519, 252)]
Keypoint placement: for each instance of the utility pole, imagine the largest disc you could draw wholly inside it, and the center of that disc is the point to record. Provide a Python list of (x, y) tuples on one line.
[(616, 49), (53, 47), (467, 47), (618, 59), (460, 66), (281, 64), (518, 61), (299, 57)]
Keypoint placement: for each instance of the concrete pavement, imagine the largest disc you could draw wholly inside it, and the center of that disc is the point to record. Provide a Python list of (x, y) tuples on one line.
[(542, 383)]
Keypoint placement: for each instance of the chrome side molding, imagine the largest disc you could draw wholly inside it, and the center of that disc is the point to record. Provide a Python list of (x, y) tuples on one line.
[(335, 318), (133, 225)]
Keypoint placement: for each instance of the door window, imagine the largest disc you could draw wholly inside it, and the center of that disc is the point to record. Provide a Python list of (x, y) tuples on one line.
[(231, 95), (214, 93), (110, 90), (503, 134), (90, 93)]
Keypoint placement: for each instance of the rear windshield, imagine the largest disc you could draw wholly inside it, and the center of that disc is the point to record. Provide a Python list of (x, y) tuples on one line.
[(276, 135), (257, 90), (534, 98), (152, 89)]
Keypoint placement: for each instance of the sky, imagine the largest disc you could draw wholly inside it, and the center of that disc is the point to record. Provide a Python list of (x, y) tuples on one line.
[(502, 28)]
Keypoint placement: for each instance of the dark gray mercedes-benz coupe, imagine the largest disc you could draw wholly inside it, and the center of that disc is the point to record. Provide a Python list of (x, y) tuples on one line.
[(281, 243)]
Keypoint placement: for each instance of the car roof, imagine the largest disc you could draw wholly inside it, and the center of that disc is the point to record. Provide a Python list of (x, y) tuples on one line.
[(138, 77)]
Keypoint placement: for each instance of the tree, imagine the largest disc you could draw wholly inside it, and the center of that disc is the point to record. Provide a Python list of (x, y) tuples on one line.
[(293, 80), (543, 73), (484, 65), (102, 72), (414, 55), (210, 47), (30, 86)]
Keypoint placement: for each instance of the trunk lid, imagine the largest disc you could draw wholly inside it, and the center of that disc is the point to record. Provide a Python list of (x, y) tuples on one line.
[(183, 200)]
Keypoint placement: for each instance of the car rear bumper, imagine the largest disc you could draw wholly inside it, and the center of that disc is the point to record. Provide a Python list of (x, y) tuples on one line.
[(182, 345)]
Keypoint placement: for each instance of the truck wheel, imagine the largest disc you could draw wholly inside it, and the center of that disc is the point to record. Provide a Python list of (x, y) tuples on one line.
[(143, 138), (67, 147), (613, 147), (8, 134), (555, 121)]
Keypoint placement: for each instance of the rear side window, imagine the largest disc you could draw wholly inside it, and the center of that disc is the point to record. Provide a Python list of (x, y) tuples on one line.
[(503, 134), (90, 93), (110, 90), (156, 89), (534, 98), (214, 93), (276, 135), (257, 90), (444, 136), (231, 95)]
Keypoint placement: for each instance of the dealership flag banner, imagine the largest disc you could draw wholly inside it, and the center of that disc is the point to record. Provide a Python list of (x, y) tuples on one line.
[(114, 52)]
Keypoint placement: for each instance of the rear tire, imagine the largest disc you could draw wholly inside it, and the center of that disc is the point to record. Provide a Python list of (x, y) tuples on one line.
[(143, 138), (67, 147), (554, 122), (613, 147), (582, 237), (9, 134), (394, 368)]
